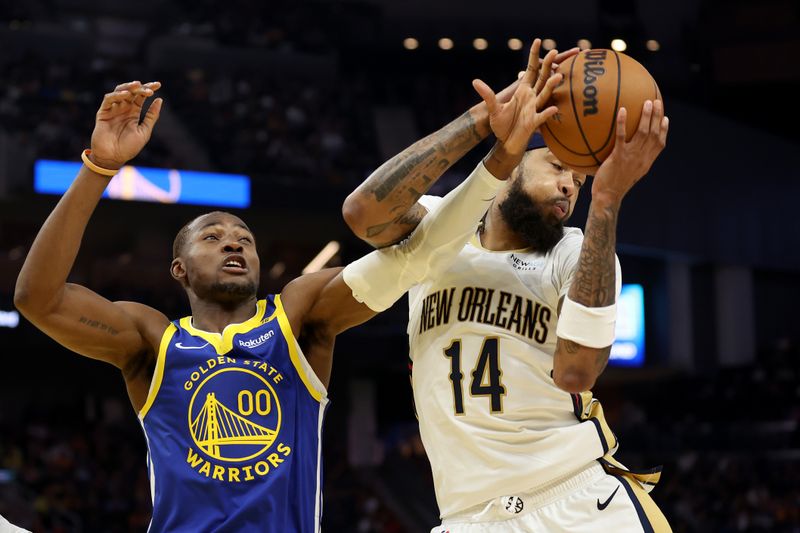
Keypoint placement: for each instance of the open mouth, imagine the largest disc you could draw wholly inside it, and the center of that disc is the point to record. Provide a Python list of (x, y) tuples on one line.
[(234, 264)]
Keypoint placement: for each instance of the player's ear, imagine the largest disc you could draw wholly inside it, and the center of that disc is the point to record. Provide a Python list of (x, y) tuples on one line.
[(178, 270)]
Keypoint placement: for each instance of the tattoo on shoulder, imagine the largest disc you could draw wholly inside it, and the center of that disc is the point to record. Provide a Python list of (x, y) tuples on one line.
[(96, 324)]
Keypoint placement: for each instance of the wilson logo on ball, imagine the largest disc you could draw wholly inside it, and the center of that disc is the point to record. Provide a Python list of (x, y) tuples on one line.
[(592, 69)]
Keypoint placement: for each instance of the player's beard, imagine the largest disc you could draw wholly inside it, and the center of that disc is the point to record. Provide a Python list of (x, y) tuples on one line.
[(233, 292), (524, 216)]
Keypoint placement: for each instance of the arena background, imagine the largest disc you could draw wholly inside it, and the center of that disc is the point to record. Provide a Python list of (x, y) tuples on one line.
[(307, 98)]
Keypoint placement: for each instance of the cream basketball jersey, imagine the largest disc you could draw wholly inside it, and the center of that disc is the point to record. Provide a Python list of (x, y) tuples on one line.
[(482, 337)]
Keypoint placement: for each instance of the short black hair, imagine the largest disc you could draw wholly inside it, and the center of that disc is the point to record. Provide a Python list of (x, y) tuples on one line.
[(183, 234), (180, 239)]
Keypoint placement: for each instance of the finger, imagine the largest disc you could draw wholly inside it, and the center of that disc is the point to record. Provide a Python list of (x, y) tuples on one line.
[(563, 56), (127, 86), (148, 90), (547, 92), (533, 63), (544, 116), (662, 136), (151, 117), (110, 99), (622, 114), (658, 114), (644, 121), (547, 70), (486, 93), (140, 95)]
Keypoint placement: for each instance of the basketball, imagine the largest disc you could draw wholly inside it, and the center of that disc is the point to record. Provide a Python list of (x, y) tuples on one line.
[(596, 84)]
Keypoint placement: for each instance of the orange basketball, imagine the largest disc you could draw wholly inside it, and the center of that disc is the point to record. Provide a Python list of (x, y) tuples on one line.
[(596, 84)]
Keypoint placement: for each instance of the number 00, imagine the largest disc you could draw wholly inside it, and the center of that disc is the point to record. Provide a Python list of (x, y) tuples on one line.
[(262, 402)]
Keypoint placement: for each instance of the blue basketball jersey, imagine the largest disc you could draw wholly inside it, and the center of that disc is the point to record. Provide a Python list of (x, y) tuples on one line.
[(233, 423)]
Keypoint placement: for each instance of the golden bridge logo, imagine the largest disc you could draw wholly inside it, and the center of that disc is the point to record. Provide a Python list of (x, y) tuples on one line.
[(240, 415)]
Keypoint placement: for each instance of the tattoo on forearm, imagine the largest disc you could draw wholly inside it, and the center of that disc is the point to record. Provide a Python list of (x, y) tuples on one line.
[(595, 279), (96, 324), (424, 162), (377, 229), (403, 170), (570, 347)]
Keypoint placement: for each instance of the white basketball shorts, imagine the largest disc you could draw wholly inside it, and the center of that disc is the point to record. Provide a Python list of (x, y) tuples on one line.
[(590, 501)]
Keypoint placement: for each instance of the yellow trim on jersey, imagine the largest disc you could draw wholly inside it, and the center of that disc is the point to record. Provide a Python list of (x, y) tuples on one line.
[(647, 479), (291, 341), (223, 342), (654, 515), (592, 410), (158, 374), (274, 312)]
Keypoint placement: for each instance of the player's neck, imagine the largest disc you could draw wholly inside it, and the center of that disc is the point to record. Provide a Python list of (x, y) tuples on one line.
[(496, 235), (214, 316)]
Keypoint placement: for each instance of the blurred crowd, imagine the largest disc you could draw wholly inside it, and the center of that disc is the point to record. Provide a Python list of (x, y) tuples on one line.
[(251, 122), (285, 129)]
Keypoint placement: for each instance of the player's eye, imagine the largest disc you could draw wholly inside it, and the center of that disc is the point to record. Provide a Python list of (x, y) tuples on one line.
[(248, 240), (578, 184), (210, 238), (557, 167)]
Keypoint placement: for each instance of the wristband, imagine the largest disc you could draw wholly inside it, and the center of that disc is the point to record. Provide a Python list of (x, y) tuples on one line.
[(588, 326), (94, 168)]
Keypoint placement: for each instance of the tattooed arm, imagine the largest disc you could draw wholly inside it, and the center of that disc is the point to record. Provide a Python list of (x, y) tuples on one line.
[(384, 209), (576, 367), (122, 333)]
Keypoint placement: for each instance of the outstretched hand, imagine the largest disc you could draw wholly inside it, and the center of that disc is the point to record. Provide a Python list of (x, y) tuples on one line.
[(118, 135), (630, 160), (513, 122)]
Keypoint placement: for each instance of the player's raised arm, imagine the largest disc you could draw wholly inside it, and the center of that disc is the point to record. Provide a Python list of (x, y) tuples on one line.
[(384, 208), (324, 304), (588, 312), (73, 315)]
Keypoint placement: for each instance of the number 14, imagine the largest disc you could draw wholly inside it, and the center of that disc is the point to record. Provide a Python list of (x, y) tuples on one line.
[(485, 376)]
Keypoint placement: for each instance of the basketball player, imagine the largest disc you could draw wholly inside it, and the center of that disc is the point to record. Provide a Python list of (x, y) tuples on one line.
[(232, 398), (507, 342)]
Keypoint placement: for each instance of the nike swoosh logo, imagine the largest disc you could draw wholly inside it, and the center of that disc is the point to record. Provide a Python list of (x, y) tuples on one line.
[(601, 506), (182, 347)]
